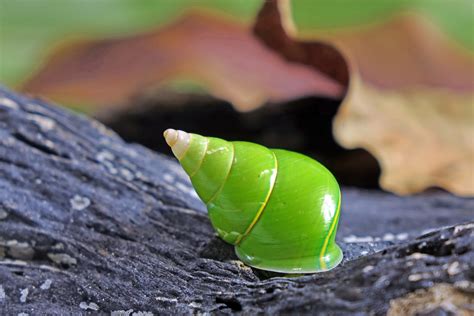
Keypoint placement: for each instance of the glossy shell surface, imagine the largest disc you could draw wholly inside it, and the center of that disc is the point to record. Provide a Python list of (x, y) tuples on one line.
[(279, 208)]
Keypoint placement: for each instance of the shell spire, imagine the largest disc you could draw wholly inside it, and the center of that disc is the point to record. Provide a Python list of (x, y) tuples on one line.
[(178, 141), (206, 160), (209, 162)]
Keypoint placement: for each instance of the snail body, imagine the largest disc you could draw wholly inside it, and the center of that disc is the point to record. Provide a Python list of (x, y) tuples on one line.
[(280, 209)]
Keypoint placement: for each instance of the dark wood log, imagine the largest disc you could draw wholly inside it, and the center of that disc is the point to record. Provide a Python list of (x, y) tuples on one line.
[(91, 224)]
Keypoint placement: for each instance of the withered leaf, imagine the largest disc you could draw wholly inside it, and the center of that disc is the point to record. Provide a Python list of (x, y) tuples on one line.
[(220, 53), (410, 100)]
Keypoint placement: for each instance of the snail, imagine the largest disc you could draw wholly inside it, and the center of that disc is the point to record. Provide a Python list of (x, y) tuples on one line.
[(280, 209)]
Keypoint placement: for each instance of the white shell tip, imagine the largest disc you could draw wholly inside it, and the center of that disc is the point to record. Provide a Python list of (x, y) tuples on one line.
[(171, 136), (178, 141)]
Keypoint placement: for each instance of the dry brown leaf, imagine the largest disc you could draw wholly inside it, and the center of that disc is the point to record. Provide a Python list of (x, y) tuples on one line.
[(414, 113), (410, 101), (221, 54), (421, 137)]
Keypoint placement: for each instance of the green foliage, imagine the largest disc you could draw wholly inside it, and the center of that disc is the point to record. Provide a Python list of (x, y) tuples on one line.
[(29, 28), (455, 18), (323, 14)]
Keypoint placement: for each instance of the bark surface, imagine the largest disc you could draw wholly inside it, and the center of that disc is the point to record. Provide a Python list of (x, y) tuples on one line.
[(91, 224)]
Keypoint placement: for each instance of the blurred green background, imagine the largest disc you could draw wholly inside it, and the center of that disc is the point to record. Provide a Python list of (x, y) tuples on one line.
[(28, 28)]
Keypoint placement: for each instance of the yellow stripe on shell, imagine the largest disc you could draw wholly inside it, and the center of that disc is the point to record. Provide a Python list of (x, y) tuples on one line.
[(226, 177), (202, 158), (326, 240), (262, 208)]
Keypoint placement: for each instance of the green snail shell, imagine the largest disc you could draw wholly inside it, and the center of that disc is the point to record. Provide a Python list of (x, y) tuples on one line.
[(280, 209)]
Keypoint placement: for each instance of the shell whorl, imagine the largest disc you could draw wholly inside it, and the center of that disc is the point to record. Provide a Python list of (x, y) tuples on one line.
[(178, 141), (280, 209)]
